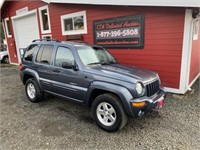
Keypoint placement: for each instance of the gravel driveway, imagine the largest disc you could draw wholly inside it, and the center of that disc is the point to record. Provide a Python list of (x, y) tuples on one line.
[(56, 123)]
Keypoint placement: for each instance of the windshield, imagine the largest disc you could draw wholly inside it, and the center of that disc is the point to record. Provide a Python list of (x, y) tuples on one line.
[(94, 55)]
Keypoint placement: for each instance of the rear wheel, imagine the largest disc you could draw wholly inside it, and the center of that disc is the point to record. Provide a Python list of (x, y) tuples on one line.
[(108, 112), (5, 60), (33, 91)]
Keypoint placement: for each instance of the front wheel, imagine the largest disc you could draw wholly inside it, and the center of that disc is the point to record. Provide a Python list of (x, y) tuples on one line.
[(108, 112)]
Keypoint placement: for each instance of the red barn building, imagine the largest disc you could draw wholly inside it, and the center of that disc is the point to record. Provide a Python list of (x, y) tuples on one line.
[(163, 37)]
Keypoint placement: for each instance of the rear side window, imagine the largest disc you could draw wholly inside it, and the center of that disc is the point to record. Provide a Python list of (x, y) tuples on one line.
[(44, 54), (28, 56)]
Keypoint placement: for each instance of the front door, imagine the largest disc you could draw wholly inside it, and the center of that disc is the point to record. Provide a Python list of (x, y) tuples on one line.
[(66, 82)]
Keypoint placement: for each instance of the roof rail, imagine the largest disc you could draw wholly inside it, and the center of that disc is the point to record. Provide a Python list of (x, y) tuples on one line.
[(46, 40)]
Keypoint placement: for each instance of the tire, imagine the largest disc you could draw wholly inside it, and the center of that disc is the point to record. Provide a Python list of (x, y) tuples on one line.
[(5, 60), (108, 106), (33, 91)]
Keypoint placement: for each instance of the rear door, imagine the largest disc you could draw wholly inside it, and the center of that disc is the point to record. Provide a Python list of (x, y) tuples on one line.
[(43, 64), (66, 82)]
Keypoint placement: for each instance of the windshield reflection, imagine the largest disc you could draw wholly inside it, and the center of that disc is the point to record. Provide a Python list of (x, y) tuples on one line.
[(94, 55)]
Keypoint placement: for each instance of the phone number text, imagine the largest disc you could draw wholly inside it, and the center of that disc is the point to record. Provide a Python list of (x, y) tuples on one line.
[(118, 33)]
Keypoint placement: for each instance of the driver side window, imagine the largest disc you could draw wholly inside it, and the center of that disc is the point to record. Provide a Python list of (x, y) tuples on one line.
[(63, 54)]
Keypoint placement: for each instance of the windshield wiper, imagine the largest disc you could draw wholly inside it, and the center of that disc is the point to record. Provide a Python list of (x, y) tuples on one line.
[(104, 63), (113, 62), (94, 63)]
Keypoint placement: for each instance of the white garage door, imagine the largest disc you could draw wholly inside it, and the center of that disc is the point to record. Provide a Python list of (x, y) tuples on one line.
[(26, 30)]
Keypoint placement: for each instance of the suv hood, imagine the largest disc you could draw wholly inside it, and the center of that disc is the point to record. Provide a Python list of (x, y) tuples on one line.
[(121, 72)]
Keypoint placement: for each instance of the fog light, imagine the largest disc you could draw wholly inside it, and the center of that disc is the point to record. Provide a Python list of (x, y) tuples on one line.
[(140, 113), (138, 104)]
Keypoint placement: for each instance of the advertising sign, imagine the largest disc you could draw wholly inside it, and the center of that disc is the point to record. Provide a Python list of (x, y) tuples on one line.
[(120, 32)]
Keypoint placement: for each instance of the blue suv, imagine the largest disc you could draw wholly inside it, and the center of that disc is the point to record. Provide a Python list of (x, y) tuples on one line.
[(90, 75)]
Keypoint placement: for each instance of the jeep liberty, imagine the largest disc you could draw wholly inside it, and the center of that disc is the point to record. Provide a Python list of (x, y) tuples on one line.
[(90, 75)]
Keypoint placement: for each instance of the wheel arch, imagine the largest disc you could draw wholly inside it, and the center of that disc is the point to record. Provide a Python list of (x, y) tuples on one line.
[(100, 88), (26, 77), (29, 73), (4, 57)]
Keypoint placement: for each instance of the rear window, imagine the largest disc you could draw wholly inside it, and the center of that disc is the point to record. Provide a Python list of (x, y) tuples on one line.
[(28, 56), (44, 54)]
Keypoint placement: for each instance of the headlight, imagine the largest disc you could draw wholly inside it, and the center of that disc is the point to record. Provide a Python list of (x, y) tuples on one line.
[(139, 88)]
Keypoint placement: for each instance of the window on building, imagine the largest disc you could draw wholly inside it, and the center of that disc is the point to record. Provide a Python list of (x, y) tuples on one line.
[(44, 19), (63, 55), (74, 23), (7, 24), (44, 54), (48, 37), (195, 29), (28, 56)]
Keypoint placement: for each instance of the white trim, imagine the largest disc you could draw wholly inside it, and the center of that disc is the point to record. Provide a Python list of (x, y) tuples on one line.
[(24, 14), (190, 40), (14, 30), (6, 39), (172, 3), (41, 22), (172, 90), (14, 63), (46, 1), (22, 11), (194, 80), (6, 25), (186, 52), (46, 35), (72, 15)]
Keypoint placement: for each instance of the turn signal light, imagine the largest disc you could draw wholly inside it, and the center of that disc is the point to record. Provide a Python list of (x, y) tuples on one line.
[(20, 66), (138, 104)]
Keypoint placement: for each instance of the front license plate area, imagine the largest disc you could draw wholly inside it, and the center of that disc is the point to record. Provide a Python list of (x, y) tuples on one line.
[(160, 104)]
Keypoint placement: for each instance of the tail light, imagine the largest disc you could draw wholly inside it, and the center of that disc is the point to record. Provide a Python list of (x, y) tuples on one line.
[(20, 66)]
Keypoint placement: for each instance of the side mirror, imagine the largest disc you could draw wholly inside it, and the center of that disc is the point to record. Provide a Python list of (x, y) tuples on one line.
[(68, 65)]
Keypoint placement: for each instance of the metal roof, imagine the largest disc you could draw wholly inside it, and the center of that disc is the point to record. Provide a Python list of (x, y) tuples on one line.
[(166, 3), (169, 3)]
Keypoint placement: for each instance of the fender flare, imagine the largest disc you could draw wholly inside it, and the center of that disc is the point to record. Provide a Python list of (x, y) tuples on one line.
[(122, 92), (33, 73)]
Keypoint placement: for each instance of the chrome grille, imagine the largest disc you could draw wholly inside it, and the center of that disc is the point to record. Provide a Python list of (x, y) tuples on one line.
[(152, 88)]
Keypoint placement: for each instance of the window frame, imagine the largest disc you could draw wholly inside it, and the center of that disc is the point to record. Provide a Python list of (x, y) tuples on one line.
[(72, 15), (43, 36), (54, 60), (24, 59), (42, 47), (6, 25), (41, 21), (196, 29)]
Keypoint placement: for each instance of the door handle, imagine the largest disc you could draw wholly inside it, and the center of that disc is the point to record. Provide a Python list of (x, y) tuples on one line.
[(56, 70)]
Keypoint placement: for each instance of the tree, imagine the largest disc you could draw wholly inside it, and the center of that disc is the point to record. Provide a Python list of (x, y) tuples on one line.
[(2, 32)]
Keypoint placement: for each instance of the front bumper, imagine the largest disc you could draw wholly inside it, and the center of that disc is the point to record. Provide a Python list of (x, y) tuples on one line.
[(150, 103)]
